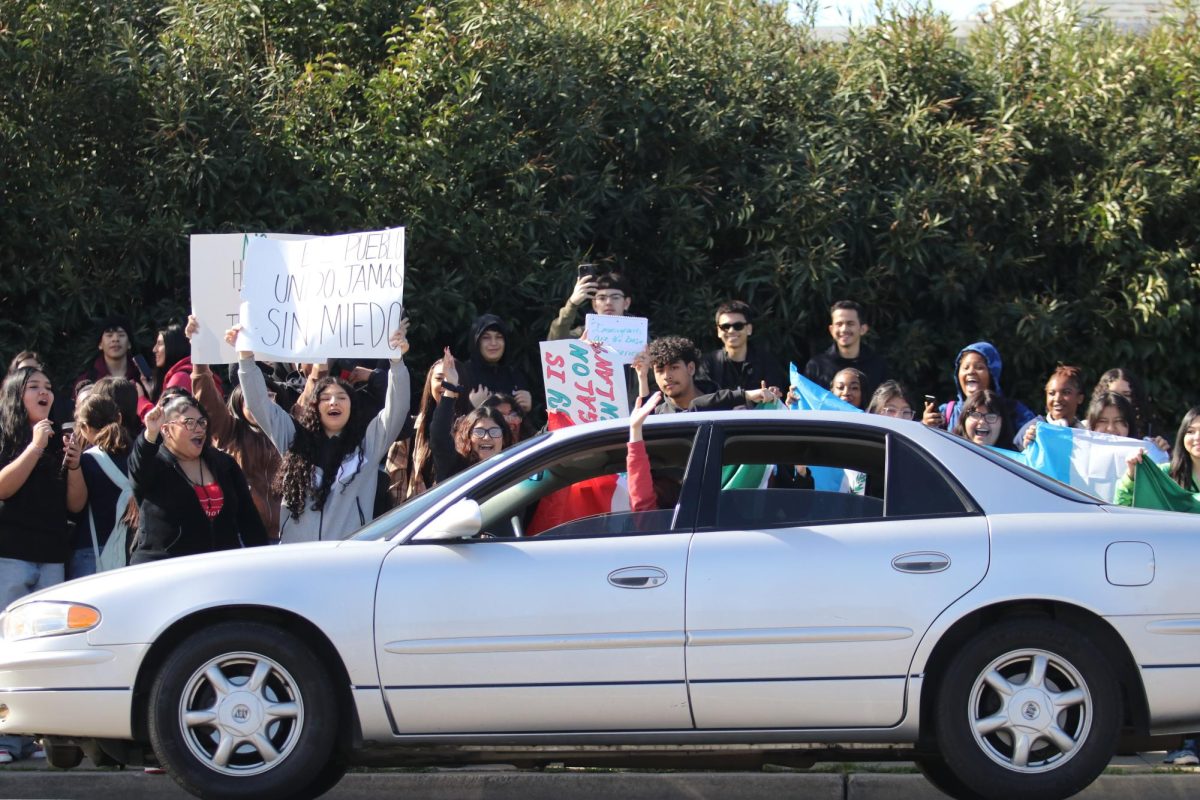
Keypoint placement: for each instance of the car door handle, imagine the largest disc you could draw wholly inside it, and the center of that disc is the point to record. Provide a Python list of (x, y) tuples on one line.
[(637, 577), (921, 563)]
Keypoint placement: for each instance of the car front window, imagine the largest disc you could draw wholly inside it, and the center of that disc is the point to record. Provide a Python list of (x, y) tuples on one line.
[(406, 513)]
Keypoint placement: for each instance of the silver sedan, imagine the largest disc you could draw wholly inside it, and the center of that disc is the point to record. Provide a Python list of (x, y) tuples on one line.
[(798, 583)]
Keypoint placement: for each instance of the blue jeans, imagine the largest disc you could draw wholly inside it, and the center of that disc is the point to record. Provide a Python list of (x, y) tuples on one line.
[(17, 579), (82, 563)]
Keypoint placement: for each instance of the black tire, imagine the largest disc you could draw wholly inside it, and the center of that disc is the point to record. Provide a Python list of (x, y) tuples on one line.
[(1048, 731), (243, 710), (943, 779), (62, 756)]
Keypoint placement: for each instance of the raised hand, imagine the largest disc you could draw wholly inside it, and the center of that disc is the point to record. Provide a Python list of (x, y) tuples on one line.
[(231, 340), (154, 421), (585, 290), (524, 399), (639, 414), (399, 339), (449, 367), (193, 326), (932, 417)]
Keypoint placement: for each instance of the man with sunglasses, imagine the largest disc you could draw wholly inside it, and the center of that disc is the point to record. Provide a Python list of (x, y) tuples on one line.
[(847, 326), (740, 363)]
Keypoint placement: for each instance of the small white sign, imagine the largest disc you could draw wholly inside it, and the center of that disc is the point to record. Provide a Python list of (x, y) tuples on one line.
[(217, 267), (625, 337), (324, 297)]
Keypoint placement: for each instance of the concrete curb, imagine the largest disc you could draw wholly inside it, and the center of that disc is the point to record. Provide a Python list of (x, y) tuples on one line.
[(132, 785)]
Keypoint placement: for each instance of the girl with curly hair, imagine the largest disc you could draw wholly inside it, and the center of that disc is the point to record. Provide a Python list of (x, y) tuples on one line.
[(331, 449)]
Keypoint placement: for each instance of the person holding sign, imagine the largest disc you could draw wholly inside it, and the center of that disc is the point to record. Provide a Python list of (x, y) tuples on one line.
[(476, 437), (331, 450)]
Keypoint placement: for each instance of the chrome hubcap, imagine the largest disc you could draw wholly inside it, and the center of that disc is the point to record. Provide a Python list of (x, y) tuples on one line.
[(241, 713), (1030, 711)]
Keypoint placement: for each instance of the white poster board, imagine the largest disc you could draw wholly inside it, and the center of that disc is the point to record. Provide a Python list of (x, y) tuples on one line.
[(217, 267), (625, 337), (583, 381), (323, 297)]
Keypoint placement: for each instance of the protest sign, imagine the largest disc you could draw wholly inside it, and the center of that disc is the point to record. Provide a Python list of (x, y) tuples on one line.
[(217, 267), (625, 337), (583, 382), (324, 297)]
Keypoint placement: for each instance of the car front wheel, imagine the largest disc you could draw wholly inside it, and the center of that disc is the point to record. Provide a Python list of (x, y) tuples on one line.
[(1029, 708), (243, 709)]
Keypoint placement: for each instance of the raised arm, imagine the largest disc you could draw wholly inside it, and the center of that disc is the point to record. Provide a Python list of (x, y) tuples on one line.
[(386, 426), (274, 421)]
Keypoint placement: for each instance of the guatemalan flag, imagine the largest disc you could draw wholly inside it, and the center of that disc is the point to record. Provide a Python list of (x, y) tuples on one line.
[(1091, 462), (811, 397)]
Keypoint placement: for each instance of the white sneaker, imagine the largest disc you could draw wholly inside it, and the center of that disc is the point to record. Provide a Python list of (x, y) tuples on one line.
[(5, 757), (38, 751)]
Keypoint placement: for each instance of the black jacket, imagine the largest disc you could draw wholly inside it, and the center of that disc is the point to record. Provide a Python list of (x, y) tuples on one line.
[(821, 368), (172, 522), (759, 366), (498, 378)]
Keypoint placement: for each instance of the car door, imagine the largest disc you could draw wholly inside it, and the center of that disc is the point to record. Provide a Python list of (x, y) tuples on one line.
[(578, 628), (804, 607)]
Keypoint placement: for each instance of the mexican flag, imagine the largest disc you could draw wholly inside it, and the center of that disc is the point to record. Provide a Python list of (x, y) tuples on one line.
[(1153, 488)]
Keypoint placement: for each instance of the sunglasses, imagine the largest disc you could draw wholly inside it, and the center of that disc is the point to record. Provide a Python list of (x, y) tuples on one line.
[(197, 424), (486, 433), (989, 418), (732, 326)]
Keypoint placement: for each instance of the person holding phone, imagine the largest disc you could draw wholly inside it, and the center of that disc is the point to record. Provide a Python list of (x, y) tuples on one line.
[(607, 291), (40, 482)]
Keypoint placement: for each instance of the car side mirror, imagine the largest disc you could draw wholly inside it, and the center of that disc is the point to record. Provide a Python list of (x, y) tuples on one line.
[(459, 521)]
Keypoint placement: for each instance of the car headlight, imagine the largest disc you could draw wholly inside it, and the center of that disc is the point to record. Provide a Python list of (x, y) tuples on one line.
[(46, 618)]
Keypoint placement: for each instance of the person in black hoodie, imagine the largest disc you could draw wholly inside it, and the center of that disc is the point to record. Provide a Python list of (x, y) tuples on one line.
[(488, 367), (194, 498)]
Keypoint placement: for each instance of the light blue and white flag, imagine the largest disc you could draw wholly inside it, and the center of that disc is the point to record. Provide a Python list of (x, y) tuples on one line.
[(1092, 462), (811, 397)]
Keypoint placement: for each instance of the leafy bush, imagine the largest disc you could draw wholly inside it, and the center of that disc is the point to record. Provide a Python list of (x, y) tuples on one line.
[(1034, 185)]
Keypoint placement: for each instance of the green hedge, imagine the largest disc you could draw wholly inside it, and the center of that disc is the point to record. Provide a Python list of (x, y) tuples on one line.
[(1035, 185)]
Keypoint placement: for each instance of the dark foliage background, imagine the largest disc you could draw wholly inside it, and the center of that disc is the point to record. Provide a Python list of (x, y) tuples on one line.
[(1036, 185)]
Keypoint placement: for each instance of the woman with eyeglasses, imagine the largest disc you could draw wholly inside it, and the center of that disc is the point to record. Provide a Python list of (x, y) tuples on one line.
[(233, 428), (985, 419), (476, 437), (891, 400), (194, 498)]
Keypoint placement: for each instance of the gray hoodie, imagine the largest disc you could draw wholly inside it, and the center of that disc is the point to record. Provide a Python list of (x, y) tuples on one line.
[(349, 505)]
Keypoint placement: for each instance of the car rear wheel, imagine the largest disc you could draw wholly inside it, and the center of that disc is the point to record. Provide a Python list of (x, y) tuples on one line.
[(1028, 708), (243, 709)]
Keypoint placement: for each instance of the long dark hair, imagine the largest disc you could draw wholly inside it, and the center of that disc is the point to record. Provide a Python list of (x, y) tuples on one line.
[(995, 404), (175, 348), (312, 448), (1140, 400), (421, 476), (1121, 403), (1181, 459), (15, 431)]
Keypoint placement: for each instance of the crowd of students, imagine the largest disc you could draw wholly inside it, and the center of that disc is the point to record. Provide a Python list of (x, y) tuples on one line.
[(138, 462)]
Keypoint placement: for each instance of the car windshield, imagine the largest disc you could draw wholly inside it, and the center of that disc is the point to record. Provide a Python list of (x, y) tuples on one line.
[(1023, 471), (400, 517)]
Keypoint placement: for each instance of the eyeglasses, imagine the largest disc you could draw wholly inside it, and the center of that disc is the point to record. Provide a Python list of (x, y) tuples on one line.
[(486, 433), (892, 411), (732, 326), (989, 418), (513, 416), (192, 423), (614, 297)]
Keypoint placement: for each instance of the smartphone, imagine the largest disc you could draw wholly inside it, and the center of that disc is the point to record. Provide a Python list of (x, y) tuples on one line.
[(930, 400), (67, 428), (142, 367), (589, 270)]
